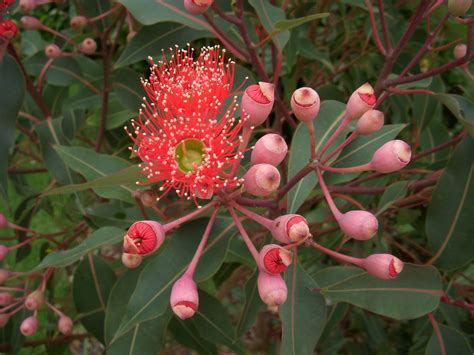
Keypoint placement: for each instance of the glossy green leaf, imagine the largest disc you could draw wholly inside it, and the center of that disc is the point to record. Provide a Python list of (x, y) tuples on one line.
[(71, 121), (453, 342), (252, 304), (187, 334), (391, 194), (461, 107), (449, 220), (93, 8), (426, 107), (62, 72), (101, 237), (284, 25), (303, 314), (128, 88), (269, 16)]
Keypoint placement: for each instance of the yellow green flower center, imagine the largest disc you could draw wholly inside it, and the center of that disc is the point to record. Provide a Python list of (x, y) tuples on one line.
[(189, 154)]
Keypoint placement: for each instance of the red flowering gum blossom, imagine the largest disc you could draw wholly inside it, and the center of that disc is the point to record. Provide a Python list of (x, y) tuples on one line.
[(261, 180), (34, 300), (392, 156), (52, 51), (305, 104), (270, 149), (271, 288), (4, 318), (8, 29), (460, 51), (370, 122), (197, 7), (184, 298), (31, 23), (29, 326), (3, 252), (5, 299), (274, 259), (360, 225), (361, 100), (383, 266), (5, 4), (143, 237), (4, 275), (65, 325), (257, 103), (290, 228)]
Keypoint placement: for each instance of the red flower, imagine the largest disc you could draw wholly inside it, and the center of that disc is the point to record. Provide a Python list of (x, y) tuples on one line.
[(184, 135), (8, 29), (5, 3)]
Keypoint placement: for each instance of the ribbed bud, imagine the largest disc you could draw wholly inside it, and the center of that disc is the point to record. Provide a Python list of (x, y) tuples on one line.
[(143, 237), (131, 261), (361, 100), (29, 326), (305, 104), (270, 149), (370, 122), (460, 51), (458, 7), (78, 22), (3, 252), (8, 29), (383, 266), (257, 103), (184, 298), (197, 7), (52, 51), (4, 275), (274, 259), (261, 179), (360, 225), (65, 325), (4, 318), (31, 23), (5, 299), (34, 300), (290, 228), (392, 156), (88, 46), (27, 5), (271, 288)]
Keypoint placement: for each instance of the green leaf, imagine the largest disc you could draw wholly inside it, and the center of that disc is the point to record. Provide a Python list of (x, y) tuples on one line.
[(425, 107), (449, 220), (453, 340), (93, 281), (151, 40), (461, 107), (186, 333), (269, 16), (93, 8), (414, 293), (248, 316), (391, 194), (12, 87), (101, 237), (303, 314), (128, 88), (62, 72), (284, 25), (71, 121)]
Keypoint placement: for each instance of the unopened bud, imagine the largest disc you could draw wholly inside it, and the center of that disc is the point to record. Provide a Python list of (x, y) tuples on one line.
[(460, 51), (4, 274), (31, 23), (370, 122), (361, 100), (197, 7), (270, 149), (52, 51), (458, 7), (65, 325), (3, 252), (27, 5), (143, 237), (271, 288), (360, 225), (131, 261), (290, 228), (3, 221), (392, 156), (34, 300), (148, 198), (5, 4), (305, 104), (4, 318), (5, 299), (261, 179), (274, 259), (8, 29), (184, 298), (257, 103), (29, 326), (88, 46), (204, 193), (383, 266), (78, 22)]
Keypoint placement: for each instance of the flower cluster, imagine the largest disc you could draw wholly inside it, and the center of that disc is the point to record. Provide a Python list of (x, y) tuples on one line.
[(8, 28)]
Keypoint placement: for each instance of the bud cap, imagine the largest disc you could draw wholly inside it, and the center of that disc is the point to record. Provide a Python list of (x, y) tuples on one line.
[(257, 103), (184, 298), (392, 156), (305, 104), (460, 51), (270, 149), (271, 288), (65, 325), (197, 7), (361, 100), (383, 266), (29, 326), (370, 122), (261, 179), (290, 228), (360, 225)]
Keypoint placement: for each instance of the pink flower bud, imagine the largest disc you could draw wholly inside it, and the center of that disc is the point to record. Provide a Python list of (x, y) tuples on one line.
[(3, 253), (197, 7), (361, 100), (8, 29), (460, 51), (31, 23), (131, 261), (4, 318), (27, 5), (261, 179), (271, 288), (392, 156), (290, 228), (184, 298), (65, 325), (78, 22), (458, 7), (5, 299), (270, 149), (34, 300), (3, 221), (4, 274), (305, 104), (370, 122), (88, 46), (360, 225), (143, 237), (257, 103), (148, 198), (29, 326), (274, 259), (383, 266), (52, 51)]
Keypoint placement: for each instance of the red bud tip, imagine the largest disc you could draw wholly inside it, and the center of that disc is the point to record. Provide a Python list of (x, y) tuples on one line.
[(8, 29), (4, 274), (34, 300), (3, 253), (29, 326), (305, 104), (460, 51), (257, 103), (383, 266), (184, 298), (270, 149), (131, 261), (5, 299), (65, 325), (88, 46), (52, 51), (274, 259), (261, 179), (271, 288), (360, 225), (197, 7), (143, 237), (4, 318), (370, 122), (361, 100), (31, 23), (392, 156)]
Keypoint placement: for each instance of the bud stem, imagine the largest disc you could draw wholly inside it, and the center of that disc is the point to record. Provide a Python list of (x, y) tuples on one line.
[(267, 223), (346, 120), (338, 256), (350, 169), (244, 235), (177, 222), (312, 139), (55, 310), (335, 211), (341, 146)]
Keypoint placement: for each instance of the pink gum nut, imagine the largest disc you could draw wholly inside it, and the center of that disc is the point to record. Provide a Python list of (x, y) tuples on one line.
[(27, 5), (184, 298), (88, 46), (34, 300), (29, 326), (131, 261), (274, 259), (392, 156), (257, 103), (143, 237), (5, 299), (3, 252), (4, 275), (361, 100), (271, 288), (383, 266), (460, 51), (270, 149), (360, 225), (52, 51), (65, 325), (261, 179), (290, 228), (370, 122), (197, 7), (31, 23), (305, 104), (4, 318)]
